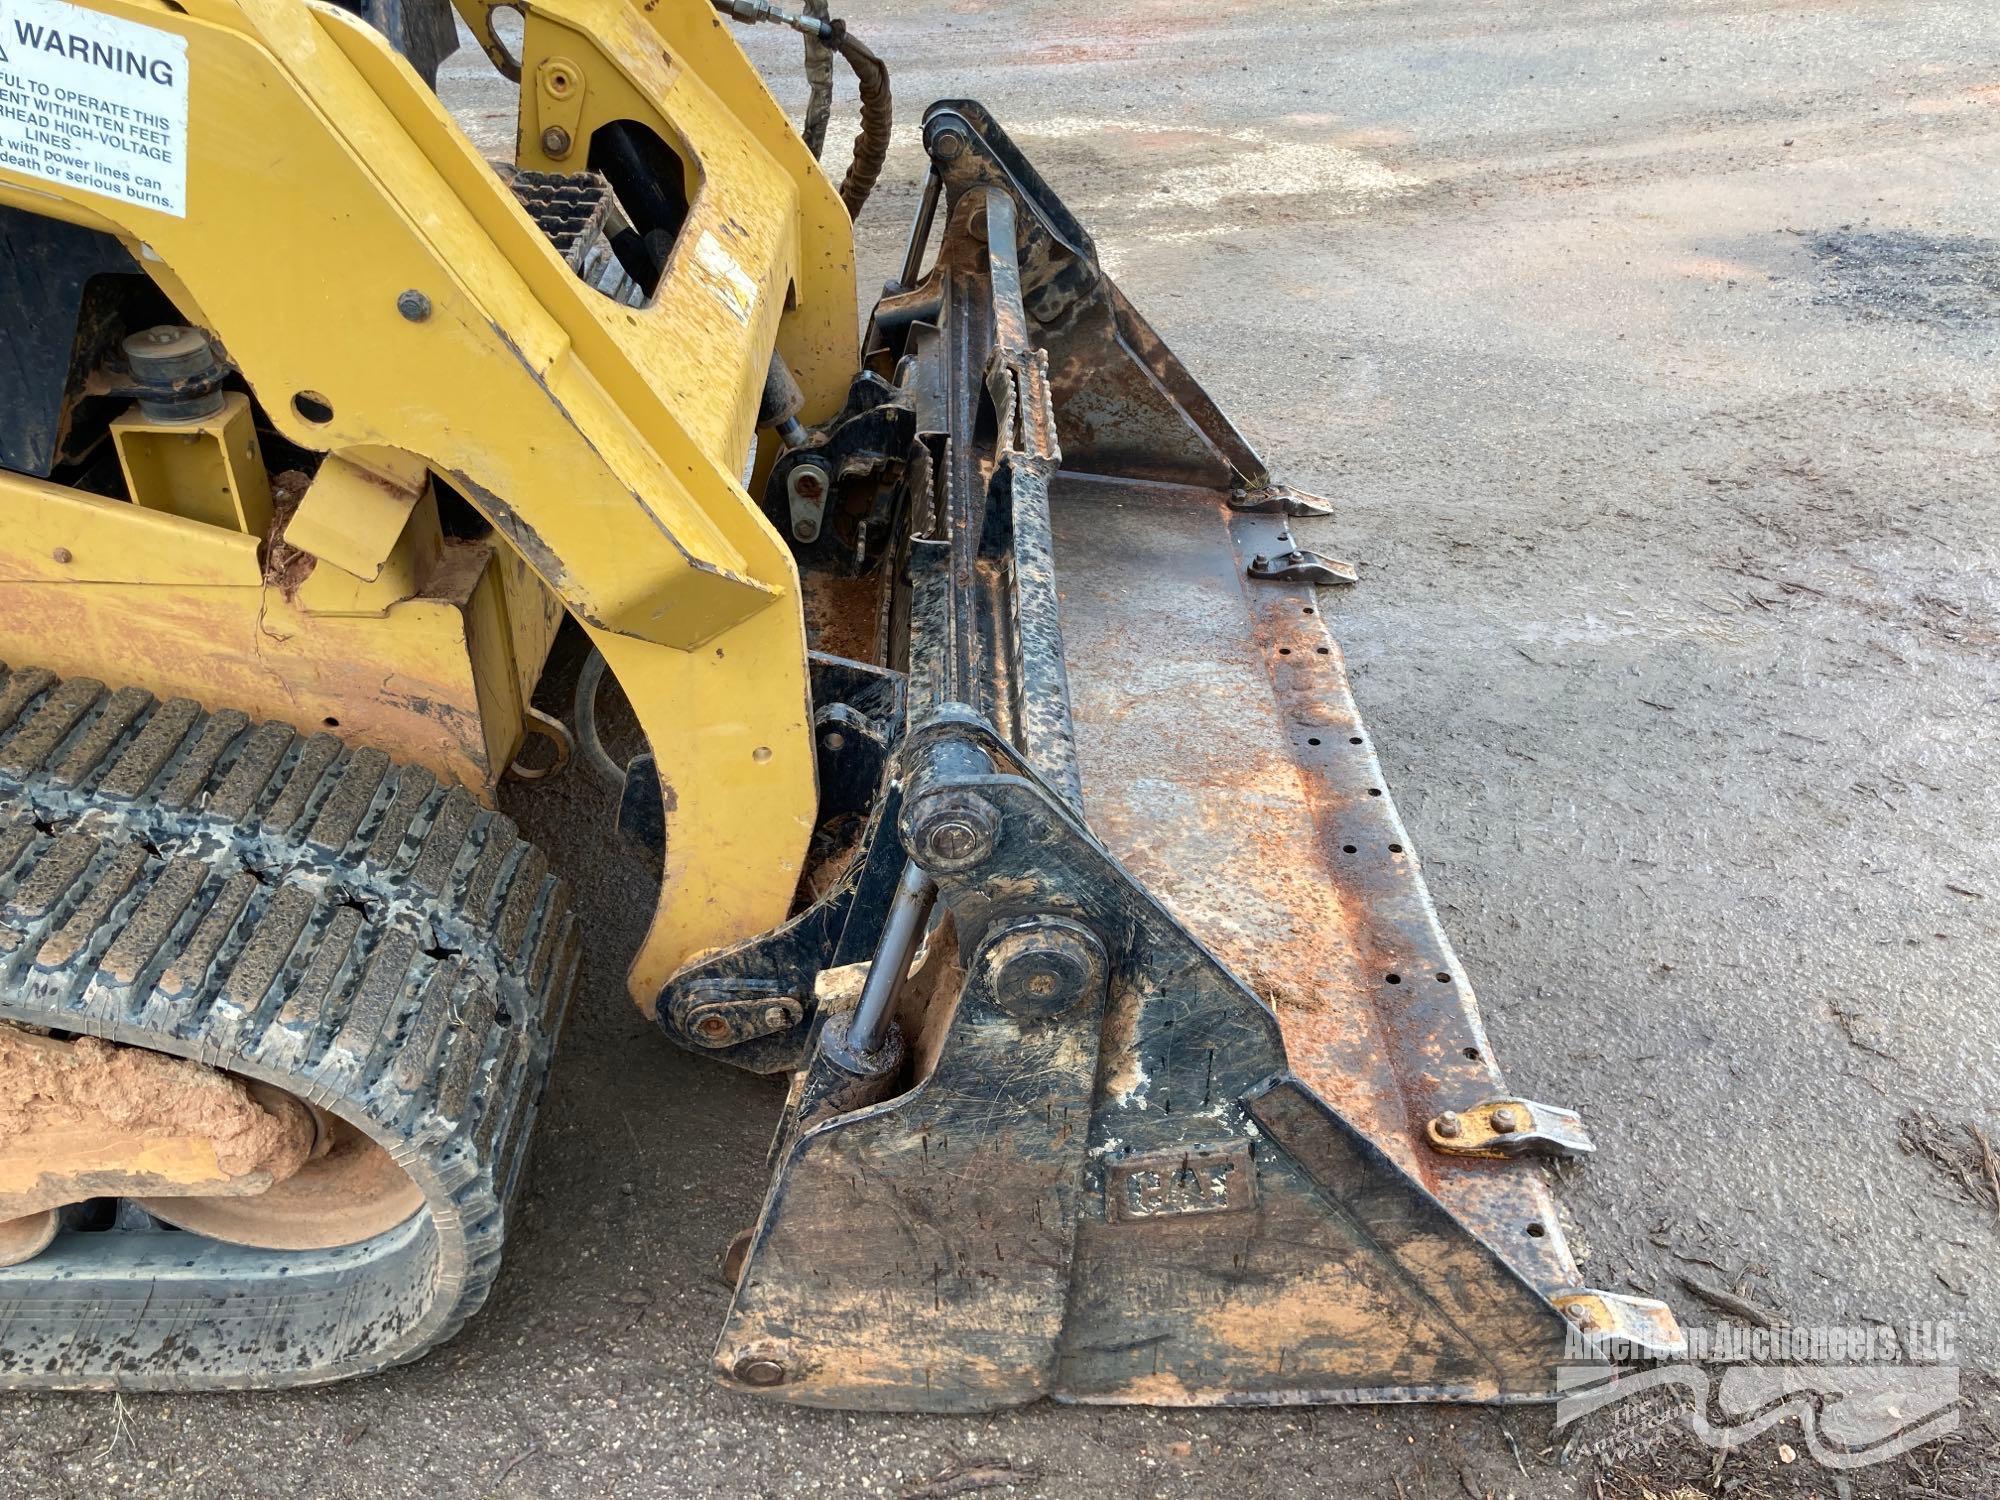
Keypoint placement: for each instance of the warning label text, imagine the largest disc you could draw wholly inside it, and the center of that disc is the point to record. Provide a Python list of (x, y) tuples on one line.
[(95, 102)]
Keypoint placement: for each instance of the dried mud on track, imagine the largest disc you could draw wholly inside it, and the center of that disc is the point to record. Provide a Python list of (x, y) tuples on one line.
[(1649, 352)]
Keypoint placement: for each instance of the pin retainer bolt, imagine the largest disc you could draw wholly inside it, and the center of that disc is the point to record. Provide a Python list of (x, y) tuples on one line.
[(1041, 971), (754, 1370), (954, 830), (1581, 1315)]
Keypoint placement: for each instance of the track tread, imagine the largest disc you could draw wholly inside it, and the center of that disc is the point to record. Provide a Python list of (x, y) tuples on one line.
[(291, 908), (48, 725), (84, 757), (150, 751)]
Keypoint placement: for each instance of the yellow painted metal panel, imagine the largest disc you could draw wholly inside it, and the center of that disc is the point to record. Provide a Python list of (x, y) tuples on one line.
[(402, 683), (324, 181), (54, 535), (534, 615), (209, 469), (820, 338), (732, 729), (496, 680), (343, 219), (354, 512), (410, 565)]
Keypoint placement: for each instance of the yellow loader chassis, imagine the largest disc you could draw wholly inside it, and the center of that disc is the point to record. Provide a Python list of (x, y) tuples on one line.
[(625, 428), (438, 674)]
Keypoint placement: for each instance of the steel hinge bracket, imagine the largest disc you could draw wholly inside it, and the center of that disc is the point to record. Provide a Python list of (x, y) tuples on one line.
[(741, 1011), (1304, 566), (1623, 1328), (1277, 499), (1510, 1127)]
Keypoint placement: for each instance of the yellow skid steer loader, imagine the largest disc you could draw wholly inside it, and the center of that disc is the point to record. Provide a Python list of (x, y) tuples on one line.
[(1005, 781)]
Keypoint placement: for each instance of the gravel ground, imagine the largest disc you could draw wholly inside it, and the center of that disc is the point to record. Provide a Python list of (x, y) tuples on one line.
[(1648, 348)]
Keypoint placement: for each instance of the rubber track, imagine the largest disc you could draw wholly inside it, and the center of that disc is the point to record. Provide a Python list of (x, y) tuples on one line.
[(293, 909)]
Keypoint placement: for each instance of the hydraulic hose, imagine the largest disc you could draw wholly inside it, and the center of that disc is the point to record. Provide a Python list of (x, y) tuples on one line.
[(819, 82), (871, 75), (871, 142)]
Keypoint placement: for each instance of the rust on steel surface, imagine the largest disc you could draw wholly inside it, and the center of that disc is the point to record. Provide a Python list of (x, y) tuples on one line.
[(1125, 403), (88, 1118), (1225, 765), (843, 613)]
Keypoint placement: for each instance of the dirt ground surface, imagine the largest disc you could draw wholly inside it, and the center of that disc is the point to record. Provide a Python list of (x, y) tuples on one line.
[(1648, 348)]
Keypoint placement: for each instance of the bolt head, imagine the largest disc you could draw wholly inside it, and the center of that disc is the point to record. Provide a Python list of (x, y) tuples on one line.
[(954, 830), (948, 145), (952, 839), (62, 555), (753, 1370), (555, 141), (807, 482), (414, 305), (777, 1017), (1295, 557), (1506, 1121), (1042, 971), (715, 1028), (1449, 1125)]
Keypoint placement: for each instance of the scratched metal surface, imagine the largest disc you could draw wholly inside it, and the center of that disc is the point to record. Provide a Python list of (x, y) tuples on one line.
[(1224, 763)]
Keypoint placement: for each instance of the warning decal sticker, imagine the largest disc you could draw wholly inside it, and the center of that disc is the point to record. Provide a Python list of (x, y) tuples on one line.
[(94, 102)]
